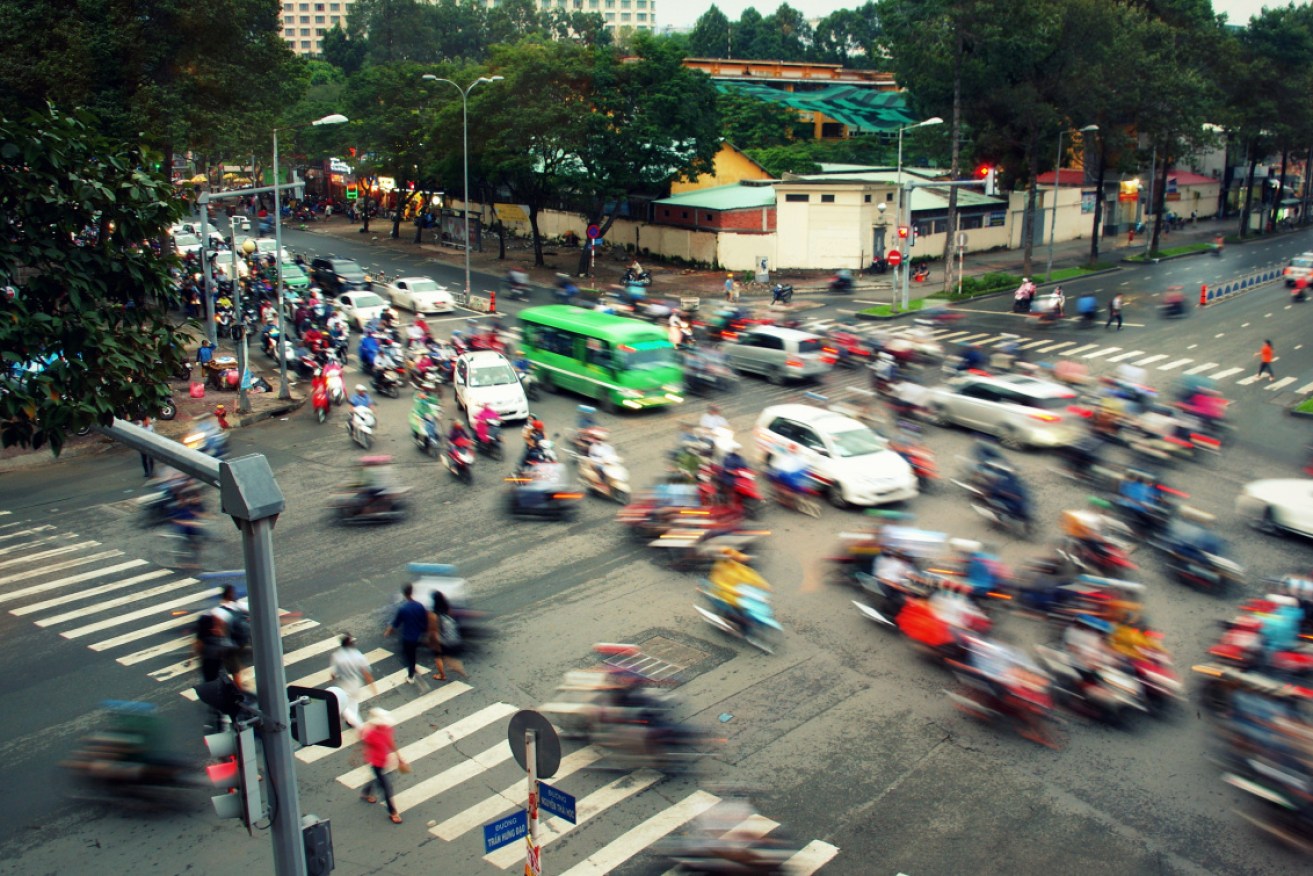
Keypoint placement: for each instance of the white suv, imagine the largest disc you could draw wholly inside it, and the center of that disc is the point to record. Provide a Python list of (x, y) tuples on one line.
[(856, 462), (1019, 410), (486, 377)]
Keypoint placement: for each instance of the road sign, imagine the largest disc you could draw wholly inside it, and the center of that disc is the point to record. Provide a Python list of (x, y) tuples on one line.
[(593, 231), (505, 831), (962, 239), (549, 744), (894, 257), (556, 802)]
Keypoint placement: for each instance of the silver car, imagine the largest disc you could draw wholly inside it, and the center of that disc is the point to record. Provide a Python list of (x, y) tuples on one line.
[(778, 354), (1019, 410)]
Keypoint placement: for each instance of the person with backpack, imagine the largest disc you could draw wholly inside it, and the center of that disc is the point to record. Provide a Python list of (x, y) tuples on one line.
[(233, 627), (444, 638)]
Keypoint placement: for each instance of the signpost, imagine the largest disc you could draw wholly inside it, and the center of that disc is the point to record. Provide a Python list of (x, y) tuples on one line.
[(556, 802), (505, 831), (537, 750)]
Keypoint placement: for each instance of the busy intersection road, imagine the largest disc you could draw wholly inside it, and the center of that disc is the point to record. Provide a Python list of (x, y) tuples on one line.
[(843, 737)]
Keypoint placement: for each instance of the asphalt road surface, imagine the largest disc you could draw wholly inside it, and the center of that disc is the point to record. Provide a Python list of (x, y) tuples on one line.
[(844, 736)]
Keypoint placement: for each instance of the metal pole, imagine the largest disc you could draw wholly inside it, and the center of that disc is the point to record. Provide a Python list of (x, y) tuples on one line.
[(266, 646), (284, 391), (207, 307), (533, 861), (1053, 210), (465, 199), (243, 401), (1153, 174), (902, 242), (906, 197)]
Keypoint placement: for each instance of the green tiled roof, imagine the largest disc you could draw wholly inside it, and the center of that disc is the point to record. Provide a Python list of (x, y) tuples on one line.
[(862, 109), (731, 197)]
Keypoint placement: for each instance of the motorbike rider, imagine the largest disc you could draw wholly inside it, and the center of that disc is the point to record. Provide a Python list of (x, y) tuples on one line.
[(726, 472), (427, 407), (789, 469), (483, 421), (712, 419), (457, 434), (368, 351), (361, 399), (1088, 307), (1022, 298), (600, 455), (1087, 647), (1138, 495), (534, 434), (1004, 487)]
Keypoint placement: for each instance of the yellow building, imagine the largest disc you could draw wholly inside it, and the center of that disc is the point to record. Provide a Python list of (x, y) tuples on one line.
[(730, 166)]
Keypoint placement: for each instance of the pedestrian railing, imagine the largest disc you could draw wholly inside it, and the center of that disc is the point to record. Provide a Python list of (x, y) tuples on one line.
[(1226, 288)]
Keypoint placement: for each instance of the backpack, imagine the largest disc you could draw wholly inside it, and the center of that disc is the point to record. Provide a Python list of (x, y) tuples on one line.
[(448, 631), (239, 627)]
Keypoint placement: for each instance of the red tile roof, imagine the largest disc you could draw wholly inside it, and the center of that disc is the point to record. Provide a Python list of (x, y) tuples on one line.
[(1067, 177), (1186, 178)]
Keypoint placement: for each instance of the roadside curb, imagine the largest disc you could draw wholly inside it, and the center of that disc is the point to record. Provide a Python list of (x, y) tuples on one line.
[(1135, 260), (286, 407)]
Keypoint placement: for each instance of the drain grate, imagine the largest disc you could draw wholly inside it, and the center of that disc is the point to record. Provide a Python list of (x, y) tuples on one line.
[(663, 658)]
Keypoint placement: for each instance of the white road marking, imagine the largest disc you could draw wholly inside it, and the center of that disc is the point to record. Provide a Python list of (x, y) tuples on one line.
[(449, 735), (144, 632), (1308, 387), (1278, 384), (1058, 346), (611, 794), (23, 531), (1192, 346), (27, 546), (157, 608), (813, 856), (630, 843), (1149, 360), (1174, 365), (1222, 375), (404, 712), (106, 605), (1199, 369), (85, 594), (1104, 352), (1033, 344), (1080, 350), (1253, 378), (1124, 356), (450, 778), (59, 567), (511, 797), (1219, 335), (53, 552), (184, 666)]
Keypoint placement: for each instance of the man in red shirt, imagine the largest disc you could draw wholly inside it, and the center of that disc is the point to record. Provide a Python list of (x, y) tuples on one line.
[(380, 744)]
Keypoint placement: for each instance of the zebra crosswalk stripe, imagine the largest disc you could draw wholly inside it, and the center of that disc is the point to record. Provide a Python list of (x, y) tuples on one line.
[(1223, 375), (28, 545), (1306, 388), (1149, 360), (1058, 346), (1124, 356), (448, 735), (1200, 369), (1080, 349), (451, 777), (57, 567), (53, 552), (633, 841), (157, 608), (551, 829), (181, 668), (92, 591), (1032, 344), (405, 712), (1245, 381), (488, 809), (1106, 351), (1174, 364), (756, 825), (71, 579), (812, 857), (1279, 384), (19, 532), (106, 605), (146, 632)]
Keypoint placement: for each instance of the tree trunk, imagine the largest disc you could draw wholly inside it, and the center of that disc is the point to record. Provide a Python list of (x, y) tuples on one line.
[(396, 218), (1097, 231), (419, 218), (367, 184), (1028, 217), (1159, 199), (1303, 210), (955, 166), (1281, 186), (537, 238), (1249, 189)]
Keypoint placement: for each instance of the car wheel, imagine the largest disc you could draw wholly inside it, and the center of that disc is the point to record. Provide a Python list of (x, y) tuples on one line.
[(835, 495), (1267, 524), (1008, 437), (775, 376), (936, 415)]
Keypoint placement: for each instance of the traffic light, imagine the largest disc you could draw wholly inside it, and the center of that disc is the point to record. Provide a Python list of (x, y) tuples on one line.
[(236, 774), (988, 173), (317, 835), (911, 238), (902, 232)]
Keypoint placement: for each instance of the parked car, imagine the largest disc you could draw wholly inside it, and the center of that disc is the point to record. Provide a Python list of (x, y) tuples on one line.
[(1301, 266), (420, 295), (487, 377), (359, 307), (855, 461), (336, 276), (779, 354), (1279, 504), (1018, 409)]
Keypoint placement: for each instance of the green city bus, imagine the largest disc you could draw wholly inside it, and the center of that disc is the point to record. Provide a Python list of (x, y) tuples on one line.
[(620, 362)]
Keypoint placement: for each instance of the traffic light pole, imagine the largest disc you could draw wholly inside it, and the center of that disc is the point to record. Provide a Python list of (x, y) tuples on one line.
[(250, 495)]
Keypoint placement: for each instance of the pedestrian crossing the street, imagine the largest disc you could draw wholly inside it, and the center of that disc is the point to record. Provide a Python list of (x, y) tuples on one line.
[(452, 734)]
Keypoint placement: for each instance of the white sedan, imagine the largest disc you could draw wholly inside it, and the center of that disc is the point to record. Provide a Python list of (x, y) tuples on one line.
[(1278, 504), (420, 295), (360, 307), (186, 244)]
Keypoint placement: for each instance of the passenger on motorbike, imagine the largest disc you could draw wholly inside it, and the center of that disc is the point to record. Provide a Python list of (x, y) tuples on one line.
[(361, 397), (789, 470), (892, 567), (483, 421), (1139, 496), (726, 475), (1087, 647)]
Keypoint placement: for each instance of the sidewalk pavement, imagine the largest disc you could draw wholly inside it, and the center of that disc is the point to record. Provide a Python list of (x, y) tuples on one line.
[(671, 281)]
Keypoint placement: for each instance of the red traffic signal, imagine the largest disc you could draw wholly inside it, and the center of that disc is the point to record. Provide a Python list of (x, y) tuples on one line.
[(902, 232), (224, 774), (983, 170)]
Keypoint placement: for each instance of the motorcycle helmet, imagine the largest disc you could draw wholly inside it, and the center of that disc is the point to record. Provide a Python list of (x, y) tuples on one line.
[(360, 387)]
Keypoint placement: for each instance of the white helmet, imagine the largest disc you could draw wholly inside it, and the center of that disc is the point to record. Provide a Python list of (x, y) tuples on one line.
[(360, 387)]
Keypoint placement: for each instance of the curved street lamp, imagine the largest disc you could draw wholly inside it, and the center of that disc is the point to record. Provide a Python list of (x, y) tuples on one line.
[(465, 148)]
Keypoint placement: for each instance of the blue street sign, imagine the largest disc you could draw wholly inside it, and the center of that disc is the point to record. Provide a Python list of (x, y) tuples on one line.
[(505, 831), (556, 802)]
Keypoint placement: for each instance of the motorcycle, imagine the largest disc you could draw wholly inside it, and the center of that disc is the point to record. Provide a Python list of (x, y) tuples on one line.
[(543, 490), (635, 278), (319, 399), (459, 459), (841, 283), (745, 492), (335, 382), (781, 293), (728, 842), (425, 431), (612, 482), (804, 499), (388, 381), (1009, 515), (1196, 556), (124, 762), (360, 426), (1108, 693), (1096, 543), (749, 617), (918, 455), (1021, 695)]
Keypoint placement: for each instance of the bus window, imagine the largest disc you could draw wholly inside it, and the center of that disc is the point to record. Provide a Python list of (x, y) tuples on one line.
[(599, 354), (646, 358)]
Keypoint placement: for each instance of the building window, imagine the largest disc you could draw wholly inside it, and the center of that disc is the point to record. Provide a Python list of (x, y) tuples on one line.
[(665, 212), (304, 7), (334, 7), (889, 197), (642, 16), (797, 199), (641, 4), (319, 31), (319, 7), (305, 44), (997, 219), (610, 4), (939, 226), (305, 19), (594, 4), (305, 31), (866, 198), (710, 218), (827, 199), (624, 16), (683, 214), (289, 7), (971, 222), (319, 19), (610, 16)]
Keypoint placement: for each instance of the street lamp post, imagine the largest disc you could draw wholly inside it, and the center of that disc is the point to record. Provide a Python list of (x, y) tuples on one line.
[(1053, 210), (465, 144), (904, 203), (284, 390), (243, 399)]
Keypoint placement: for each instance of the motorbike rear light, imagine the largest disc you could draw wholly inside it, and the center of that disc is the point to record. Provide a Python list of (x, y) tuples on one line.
[(567, 495), (730, 336), (831, 350), (1079, 411)]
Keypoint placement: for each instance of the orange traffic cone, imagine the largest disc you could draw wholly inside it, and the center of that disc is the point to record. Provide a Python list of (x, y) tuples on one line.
[(492, 300), (1203, 294)]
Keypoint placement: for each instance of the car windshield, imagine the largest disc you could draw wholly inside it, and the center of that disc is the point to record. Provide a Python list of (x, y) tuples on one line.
[(492, 375), (292, 272), (644, 358), (1301, 263), (857, 442), (366, 300), (423, 286), (265, 244), (187, 240), (350, 270), (1054, 403)]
